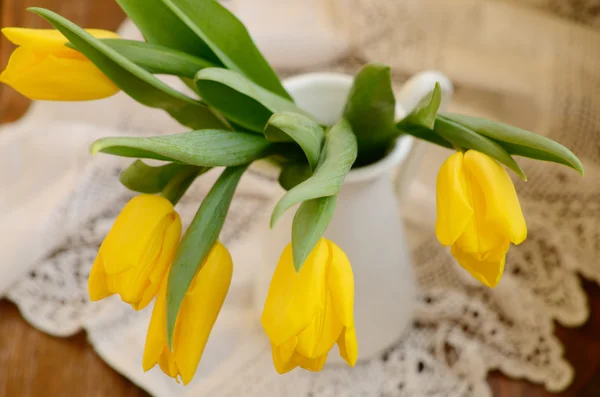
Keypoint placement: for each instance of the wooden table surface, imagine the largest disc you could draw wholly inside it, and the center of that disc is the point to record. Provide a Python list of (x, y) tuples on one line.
[(34, 364)]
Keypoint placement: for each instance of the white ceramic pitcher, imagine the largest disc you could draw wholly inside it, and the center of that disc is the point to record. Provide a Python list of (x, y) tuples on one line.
[(367, 223)]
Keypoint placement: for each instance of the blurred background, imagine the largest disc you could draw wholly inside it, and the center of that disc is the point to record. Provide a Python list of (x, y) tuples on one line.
[(531, 63)]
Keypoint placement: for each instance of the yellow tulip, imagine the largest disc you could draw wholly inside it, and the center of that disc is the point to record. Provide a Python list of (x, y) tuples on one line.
[(43, 68), (134, 258), (197, 315), (478, 214), (307, 312)]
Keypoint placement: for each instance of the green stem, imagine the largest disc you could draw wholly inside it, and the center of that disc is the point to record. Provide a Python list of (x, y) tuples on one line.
[(180, 183)]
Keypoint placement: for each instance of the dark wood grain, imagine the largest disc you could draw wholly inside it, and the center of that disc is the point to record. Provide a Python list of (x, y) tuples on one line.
[(35, 364)]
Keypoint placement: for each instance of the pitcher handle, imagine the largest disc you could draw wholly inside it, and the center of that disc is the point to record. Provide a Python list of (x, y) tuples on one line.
[(407, 99)]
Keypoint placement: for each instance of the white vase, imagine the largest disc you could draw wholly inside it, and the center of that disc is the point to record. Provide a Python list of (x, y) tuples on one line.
[(367, 224)]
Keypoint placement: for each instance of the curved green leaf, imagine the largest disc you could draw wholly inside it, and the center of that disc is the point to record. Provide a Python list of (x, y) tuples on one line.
[(131, 78), (160, 25), (425, 134), (309, 225), (465, 138), (426, 111), (420, 122), (157, 59), (523, 151), (370, 109), (143, 178), (198, 240), (287, 126), (337, 157), (228, 39), (205, 148), (520, 142), (293, 174), (239, 99)]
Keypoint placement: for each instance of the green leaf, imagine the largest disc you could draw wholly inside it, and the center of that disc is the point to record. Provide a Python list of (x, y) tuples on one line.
[(293, 174), (228, 39), (309, 225), (426, 111), (523, 151), (180, 183), (205, 148), (420, 122), (143, 178), (425, 134), (157, 59), (370, 109), (337, 157), (465, 138), (160, 25), (520, 142), (198, 240), (286, 127), (133, 79), (239, 99)]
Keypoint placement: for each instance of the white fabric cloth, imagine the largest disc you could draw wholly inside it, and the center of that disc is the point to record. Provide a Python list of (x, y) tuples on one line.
[(237, 361), (58, 203)]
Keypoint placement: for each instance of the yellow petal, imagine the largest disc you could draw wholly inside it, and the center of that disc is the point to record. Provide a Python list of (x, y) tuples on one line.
[(283, 363), (140, 221), (294, 298), (167, 364), (488, 271), (348, 346), (286, 350), (43, 68), (156, 338), (50, 41), (341, 284), (453, 206), (311, 364), (20, 61), (156, 349), (97, 283), (133, 283), (318, 338), (200, 308), (55, 79), (480, 236), (139, 248), (170, 243), (502, 204)]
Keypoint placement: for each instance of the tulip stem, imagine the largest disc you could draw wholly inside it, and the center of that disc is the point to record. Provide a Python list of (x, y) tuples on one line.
[(458, 148), (181, 182)]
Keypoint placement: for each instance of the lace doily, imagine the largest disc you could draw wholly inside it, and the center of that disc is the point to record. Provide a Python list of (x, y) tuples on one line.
[(53, 297), (461, 329)]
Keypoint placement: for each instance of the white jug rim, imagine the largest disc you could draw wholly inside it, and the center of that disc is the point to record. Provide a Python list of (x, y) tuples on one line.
[(300, 80), (344, 81), (394, 158)]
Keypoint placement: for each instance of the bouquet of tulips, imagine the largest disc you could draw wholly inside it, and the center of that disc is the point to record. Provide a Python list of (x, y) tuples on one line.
[(240, 113)]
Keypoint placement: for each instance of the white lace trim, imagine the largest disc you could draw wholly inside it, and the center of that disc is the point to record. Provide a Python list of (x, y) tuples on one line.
[(461, 331)]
